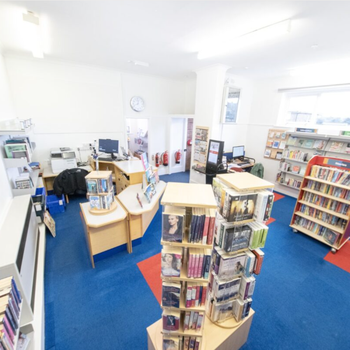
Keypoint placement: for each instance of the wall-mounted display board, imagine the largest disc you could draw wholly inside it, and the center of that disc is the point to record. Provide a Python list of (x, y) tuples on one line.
[(201, 139), (276, 143)]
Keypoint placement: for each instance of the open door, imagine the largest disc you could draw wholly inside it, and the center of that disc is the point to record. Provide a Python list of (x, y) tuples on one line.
[(177, 142)]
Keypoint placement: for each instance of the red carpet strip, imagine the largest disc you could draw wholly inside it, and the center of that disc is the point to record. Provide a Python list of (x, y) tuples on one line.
[(341, 258)]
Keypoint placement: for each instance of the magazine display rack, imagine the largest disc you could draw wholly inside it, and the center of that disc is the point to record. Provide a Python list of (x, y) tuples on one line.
[(183, 296), (100, 192), (275, 144), (322, 209), (244, 205)]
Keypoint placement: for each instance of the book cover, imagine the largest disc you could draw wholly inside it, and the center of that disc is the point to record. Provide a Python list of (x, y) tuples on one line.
[(269, 143), (292, 140), (319, 144), (296, 169), (309, 143), (171, 261), (330, 236), (267, 153), (283, 135), (244, 209), (282, 145), (275, 144), (95, 202), (102, 185), (171, 294), (149, 192), (139, 200), (237, 238), (91, 186), (173, 219), (336, 146), (278, 155)]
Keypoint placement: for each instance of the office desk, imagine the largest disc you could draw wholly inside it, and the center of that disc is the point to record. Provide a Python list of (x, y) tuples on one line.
[(49, 178), (125, 172), (235, 167), (140, 218), (104, 232)]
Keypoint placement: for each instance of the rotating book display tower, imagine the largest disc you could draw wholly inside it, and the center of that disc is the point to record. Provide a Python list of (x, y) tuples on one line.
[(100, 192), (244, 205), (187, 235)]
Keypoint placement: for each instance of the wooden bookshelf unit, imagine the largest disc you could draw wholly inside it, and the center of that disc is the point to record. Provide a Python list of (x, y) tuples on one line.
[(322, 210)]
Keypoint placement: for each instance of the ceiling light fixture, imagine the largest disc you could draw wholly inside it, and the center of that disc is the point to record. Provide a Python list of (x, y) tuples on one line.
[(32, 33), (139, 63), (338, 67), (258, 35)]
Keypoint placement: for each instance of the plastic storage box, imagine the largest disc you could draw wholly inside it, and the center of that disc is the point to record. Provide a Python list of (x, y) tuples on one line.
[(55, 204), (39, 203)]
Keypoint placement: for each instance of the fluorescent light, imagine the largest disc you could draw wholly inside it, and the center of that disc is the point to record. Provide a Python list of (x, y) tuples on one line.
[(258, 35), (32, 34), (139, 63)]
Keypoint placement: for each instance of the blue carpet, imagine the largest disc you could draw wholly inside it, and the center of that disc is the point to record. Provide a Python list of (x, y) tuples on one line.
[(301, 301)]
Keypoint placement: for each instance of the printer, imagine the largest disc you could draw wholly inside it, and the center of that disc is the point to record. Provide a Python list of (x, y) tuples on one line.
[(62, 158)]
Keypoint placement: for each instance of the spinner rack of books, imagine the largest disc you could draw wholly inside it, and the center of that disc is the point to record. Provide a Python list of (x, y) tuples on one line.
[(187, 235), (244, 205), (322, 210), (10, 312), (100, 192)]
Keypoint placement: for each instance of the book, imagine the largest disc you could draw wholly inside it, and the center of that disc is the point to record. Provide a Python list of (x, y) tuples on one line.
[(91, 186), (236, 238), (347, 148), (170, 342), (95, 202), (275, 144), (267, 153), (259, 260), (296, 169), (171, 261), (278, 155), (173, 222), (139, 200), (336, 146), (282, 145), (171, 320), (292, 140), (149, 192), (319, 144), (308, 143), (269, 143), (171, 294), (103, 186)]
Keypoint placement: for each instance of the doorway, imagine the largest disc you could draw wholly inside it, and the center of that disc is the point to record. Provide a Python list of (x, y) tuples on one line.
[(137, 135)]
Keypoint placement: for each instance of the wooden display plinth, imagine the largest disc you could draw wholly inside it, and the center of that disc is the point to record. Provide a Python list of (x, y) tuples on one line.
[(232, 337), (95, 211)]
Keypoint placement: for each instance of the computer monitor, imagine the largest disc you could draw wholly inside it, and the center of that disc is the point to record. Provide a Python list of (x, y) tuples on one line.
[(238, 152), (214, 158), (108, 146)]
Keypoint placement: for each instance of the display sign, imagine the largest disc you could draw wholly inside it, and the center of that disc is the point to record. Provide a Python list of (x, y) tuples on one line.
[(312, 131), (336, 162), (345, 133)]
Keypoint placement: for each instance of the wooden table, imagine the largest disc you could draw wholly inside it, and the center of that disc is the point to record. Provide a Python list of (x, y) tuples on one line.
[(104, 232), (214, 337), (140, 218)]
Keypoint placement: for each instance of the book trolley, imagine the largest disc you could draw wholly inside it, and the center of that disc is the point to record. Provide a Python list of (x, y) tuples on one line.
[(322, 209)]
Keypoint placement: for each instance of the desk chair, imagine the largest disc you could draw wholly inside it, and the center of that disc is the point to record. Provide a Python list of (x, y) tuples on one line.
[(258, 170), (70, 181)]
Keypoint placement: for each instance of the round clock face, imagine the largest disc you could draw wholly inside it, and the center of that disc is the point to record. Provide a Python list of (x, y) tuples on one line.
[(137, 103)]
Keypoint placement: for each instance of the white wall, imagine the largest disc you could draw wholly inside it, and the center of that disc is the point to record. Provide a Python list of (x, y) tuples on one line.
[(6, 112), (75, 104)]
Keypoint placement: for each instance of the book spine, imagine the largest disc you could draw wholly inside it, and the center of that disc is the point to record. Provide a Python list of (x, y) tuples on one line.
[(189, 296), (196, 302), (211, 230), (193, 297)]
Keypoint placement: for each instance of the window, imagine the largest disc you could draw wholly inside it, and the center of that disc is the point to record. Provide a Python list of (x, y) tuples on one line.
[(317, 107), (230, 104)]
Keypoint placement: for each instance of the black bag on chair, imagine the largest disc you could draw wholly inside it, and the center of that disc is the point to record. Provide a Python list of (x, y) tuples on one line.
[(70, 181)]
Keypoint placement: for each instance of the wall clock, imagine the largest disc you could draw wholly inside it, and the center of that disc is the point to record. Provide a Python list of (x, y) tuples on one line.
[(137, 104)]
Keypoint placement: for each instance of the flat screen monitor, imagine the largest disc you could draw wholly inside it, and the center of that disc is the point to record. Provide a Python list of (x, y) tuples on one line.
[(215, 151), (238, 152), (108, 146)]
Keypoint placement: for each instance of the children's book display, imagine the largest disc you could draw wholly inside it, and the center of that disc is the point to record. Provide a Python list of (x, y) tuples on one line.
[(239, 234), (10, 310), (322, 210), (100, 192), (187, 238)]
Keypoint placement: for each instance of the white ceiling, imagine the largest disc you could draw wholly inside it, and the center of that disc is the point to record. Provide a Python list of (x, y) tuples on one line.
[(168, 34)]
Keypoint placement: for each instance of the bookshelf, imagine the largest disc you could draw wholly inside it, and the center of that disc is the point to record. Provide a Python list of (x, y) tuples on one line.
[(23, 257), (301, 147), (200, 151), (244, 205), (187, 202), (322, 210)]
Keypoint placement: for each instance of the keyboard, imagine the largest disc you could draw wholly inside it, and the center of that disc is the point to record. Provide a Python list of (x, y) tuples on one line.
[(244, 163), (106, 159)]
